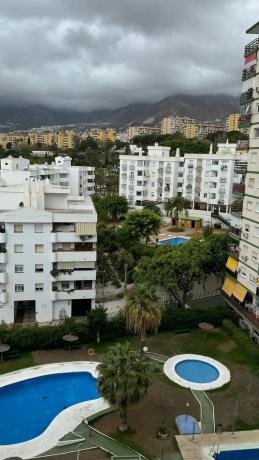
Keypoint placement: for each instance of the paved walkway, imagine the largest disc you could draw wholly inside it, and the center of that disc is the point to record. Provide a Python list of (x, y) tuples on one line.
[(207, 412), (95, 439)]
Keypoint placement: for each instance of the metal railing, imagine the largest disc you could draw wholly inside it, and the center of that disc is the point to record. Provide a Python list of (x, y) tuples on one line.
[(251, 47)]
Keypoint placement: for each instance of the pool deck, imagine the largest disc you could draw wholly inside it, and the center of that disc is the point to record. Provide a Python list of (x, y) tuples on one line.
[(65, 421), (204, 443)]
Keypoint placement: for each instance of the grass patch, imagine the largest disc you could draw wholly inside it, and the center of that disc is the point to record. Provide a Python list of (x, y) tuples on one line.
[(25, 360), (241, 425), (126, 438)]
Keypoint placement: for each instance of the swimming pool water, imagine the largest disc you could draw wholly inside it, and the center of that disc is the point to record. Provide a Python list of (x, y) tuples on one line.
[(29, 406), (246, 454), (175, 241), (196, 371)]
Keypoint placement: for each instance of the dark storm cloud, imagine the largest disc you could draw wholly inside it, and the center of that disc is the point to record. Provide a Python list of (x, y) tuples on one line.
[(87, 54)]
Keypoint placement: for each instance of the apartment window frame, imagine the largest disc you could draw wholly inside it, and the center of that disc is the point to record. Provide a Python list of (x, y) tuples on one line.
[(16, 268), (16, 228), (39, 287), (36, 248), (39, 268), (16, 247), (37, 227), (19, 287)]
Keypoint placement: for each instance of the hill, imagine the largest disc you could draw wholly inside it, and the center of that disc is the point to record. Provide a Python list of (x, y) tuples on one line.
[(206, 107)]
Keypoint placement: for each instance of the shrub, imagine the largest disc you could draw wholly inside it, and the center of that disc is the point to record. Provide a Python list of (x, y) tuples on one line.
[(174, 317), (176, 229)]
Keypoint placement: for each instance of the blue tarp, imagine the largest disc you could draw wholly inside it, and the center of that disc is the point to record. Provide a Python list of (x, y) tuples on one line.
[(187, 424)]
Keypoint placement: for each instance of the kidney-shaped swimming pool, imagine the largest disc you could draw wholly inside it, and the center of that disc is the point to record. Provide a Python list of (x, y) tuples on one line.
[(29, 406)]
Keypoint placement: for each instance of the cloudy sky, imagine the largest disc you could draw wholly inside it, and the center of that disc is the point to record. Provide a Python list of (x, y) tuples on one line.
[(88, 54)]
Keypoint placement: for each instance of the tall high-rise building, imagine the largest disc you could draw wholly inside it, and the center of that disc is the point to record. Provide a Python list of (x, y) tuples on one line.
[(232, 122), (241, 285)]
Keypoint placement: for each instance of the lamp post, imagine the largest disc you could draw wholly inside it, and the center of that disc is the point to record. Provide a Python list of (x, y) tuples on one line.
[(145, 349)]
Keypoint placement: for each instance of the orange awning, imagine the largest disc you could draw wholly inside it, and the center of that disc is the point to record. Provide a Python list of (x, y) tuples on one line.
[(232, 264), (228, 286), (239, 292)]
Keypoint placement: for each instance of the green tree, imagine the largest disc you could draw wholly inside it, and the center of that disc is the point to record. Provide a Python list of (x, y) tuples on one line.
[(142, 311), (142, 224), (218, 253), (98, 322), (207, 231), (176, 205), (124, 378), (176, 269), (116, 206), (153, 207)]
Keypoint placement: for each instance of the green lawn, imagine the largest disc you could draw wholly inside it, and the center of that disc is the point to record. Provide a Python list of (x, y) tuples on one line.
[(25, 360)]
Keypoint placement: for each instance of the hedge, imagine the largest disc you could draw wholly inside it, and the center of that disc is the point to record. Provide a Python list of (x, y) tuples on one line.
[(245, 342), (46, 337), (175, 318)]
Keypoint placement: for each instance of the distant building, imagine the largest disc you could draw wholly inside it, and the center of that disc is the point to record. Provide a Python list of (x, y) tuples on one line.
[(63, 139), (204, 128), (141, 130), (42, 153), (103, 135), (12, 138), (190, 131), (232, 122), (171, 125)]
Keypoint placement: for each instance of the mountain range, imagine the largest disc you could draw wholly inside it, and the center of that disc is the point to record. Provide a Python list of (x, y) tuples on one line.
[(205, 107)]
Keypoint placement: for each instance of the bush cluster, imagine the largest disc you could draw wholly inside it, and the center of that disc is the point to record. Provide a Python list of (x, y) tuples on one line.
[(46, 337)]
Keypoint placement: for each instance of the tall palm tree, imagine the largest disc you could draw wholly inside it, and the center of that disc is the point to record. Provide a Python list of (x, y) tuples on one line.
[(123, 378), (142, 311), (176, 205)]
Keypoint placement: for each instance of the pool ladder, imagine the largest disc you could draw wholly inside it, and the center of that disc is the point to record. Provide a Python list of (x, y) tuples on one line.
[(214, 450)]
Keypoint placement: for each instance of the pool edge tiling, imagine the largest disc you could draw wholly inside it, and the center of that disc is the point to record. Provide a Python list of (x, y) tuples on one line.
[(170, 372), (65, 421)]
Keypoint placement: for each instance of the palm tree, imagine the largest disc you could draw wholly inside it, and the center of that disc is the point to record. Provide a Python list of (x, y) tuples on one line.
[(142, 311), (176, 205), (123, 378)]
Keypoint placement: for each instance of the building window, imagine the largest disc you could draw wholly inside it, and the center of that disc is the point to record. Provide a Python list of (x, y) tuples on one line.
[(18, 248), (251, 182), (39, 287), (245, 249), (254, 256), (249, 205), (19, 288), (64, 286), (18, 268), (256, 132), (253, 157), (256, 232), (39, 247), (257, 207), (38, 228), (38, 268), (18, 228)]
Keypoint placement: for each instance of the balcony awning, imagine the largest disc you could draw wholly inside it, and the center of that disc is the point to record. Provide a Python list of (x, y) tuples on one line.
[(239, 292), (73, 265), (85, 228), (232, 264), (228, 286)]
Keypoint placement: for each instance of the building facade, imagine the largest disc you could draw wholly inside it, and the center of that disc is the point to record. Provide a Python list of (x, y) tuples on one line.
[(232, 122), (80, 179), (176, 124), (141, 130), (63, 139), (47, 253), (206, 180), (241, 285)]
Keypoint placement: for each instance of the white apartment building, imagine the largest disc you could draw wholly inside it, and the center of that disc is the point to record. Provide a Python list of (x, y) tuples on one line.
[(80, 179), (151, 177), (47, 252), (206, 180)]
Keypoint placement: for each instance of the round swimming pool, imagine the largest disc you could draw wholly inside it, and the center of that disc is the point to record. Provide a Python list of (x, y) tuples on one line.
[(197, 371)]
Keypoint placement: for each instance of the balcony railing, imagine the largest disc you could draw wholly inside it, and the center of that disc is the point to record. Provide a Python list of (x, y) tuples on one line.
[(247, 96), (235, 231), (245, 120), (248, 73), (251, 47)]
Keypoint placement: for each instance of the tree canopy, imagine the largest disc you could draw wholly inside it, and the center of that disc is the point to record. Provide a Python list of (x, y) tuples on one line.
[(142, 224)]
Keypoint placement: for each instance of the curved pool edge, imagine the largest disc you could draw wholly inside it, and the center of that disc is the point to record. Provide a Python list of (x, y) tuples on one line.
[(169, 370), (65, 421)]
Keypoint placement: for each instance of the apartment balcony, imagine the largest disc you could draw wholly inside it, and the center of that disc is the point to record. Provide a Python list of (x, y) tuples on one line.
[(248, 73), (241, 309), (245, 120), (238, 188), (75, 275), (3, 257), (247, 96), (233, 251), (251, 47), (73, 256), (3, 237), (235, 232), (3, 277), (65, 237), (3, 297), (73, 294)]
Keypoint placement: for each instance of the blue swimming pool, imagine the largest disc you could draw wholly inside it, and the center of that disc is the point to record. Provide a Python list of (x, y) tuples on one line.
[(244, 454), (29, 406), (174, 241), (196, 371)]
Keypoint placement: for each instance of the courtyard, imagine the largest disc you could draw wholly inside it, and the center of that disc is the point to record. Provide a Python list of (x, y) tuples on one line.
[(236, 404)]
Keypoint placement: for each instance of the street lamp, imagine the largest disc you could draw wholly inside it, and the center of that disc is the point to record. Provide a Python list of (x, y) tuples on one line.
[(145, 349)]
